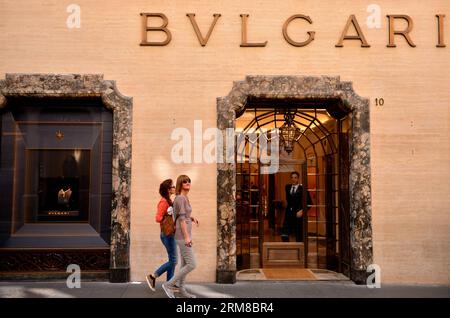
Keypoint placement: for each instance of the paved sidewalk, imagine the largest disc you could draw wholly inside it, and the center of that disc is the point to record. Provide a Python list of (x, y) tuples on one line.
[(242, 289)]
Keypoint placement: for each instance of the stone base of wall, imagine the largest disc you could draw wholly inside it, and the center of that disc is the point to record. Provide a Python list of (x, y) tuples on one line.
[(359, 276), (119, 275), (226, 277)]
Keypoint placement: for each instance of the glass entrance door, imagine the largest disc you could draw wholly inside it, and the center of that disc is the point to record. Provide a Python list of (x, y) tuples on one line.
[(267, 233), (249, 224)]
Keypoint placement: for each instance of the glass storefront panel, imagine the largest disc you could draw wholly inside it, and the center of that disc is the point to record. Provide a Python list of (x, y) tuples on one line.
[(58, 184)]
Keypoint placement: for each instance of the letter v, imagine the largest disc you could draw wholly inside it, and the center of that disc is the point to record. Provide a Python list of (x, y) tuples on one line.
[(200, 37)]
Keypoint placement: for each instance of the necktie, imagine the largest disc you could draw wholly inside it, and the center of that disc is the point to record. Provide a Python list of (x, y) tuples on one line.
[(293, 189)]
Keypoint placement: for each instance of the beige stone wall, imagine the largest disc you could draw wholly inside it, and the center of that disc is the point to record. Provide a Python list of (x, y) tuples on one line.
[(174, 85)]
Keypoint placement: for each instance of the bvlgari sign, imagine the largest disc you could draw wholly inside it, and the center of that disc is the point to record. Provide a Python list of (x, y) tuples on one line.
[(393, 30)]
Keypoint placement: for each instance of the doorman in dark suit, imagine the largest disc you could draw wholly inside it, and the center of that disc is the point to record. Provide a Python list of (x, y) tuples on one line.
[(294, 216)]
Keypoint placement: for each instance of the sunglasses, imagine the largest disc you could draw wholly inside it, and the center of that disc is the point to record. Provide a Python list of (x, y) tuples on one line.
[(187, 181)]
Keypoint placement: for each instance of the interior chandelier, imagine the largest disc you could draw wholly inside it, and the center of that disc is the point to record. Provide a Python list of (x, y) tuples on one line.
[(289, 133)]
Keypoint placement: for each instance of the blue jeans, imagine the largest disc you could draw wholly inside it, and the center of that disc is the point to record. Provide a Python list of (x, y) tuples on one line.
[(171, 248)]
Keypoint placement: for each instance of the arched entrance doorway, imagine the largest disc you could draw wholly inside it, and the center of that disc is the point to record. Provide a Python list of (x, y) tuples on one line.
[(345, 217), (310, 168)]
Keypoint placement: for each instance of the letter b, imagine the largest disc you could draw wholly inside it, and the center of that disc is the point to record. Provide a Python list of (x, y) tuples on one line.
[(162, 28)]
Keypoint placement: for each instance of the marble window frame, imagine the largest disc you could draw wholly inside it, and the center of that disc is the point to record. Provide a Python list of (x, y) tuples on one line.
[(93, 85)]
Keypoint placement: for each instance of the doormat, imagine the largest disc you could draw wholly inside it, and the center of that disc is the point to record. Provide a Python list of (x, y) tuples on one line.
[(288, 274)]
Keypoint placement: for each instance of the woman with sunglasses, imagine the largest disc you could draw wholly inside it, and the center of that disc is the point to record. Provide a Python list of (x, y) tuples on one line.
[(166, 189), (183, 236)]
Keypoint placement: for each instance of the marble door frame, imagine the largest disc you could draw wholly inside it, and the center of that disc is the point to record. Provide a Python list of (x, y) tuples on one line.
[(298, 88)]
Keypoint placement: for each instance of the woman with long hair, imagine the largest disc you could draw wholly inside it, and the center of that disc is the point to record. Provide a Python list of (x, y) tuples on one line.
[(166, 188), (183, 236)]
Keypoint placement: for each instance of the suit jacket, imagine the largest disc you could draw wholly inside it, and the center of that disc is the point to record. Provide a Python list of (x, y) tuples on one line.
[(295, 201)]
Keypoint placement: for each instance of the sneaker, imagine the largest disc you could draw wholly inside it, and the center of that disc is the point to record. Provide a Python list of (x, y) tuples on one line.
[(169, 290), (151, 280), (184, 294)]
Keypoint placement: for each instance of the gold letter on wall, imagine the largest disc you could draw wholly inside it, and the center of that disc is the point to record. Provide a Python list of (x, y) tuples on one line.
[(440, 30), (200, 37), (244, 42), (359, 36), (310, 33), (162, 28), (393, 32)]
